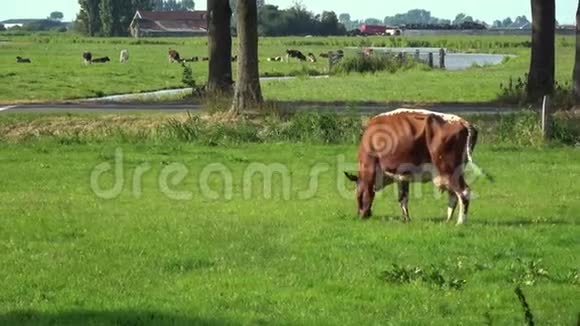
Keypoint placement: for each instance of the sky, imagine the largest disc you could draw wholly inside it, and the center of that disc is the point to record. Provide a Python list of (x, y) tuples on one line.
[(488, 10)]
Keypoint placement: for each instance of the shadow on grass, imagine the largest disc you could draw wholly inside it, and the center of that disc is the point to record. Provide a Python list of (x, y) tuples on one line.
[(83, 317)]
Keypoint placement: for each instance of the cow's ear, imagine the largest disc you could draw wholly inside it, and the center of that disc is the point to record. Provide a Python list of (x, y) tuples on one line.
[(351, 177)]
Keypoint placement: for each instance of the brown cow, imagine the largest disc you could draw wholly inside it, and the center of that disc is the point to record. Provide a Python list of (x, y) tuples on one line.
[(173, 56), (408, 145)]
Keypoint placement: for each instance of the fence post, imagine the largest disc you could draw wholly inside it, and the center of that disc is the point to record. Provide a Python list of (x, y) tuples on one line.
[(442, 58), (430, 59), (417, 55), (547, 117), (401, 57)]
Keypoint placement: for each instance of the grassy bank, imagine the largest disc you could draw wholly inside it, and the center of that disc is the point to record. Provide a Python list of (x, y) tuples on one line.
[(57, 72)]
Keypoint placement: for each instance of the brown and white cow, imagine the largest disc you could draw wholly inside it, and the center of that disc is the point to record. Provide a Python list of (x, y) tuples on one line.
[(408, 145)]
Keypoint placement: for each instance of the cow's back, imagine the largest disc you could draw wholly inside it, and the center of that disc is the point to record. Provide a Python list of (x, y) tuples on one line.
[(413, 137)]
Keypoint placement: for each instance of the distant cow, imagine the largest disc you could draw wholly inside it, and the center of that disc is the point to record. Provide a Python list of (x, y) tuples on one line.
[(205, 59), (235, 58), (406, 146), (87, 57), (101, 60), (311, 57), (173, 56), (192, 59), (367, 52), (277, 59), (295, 54), (124, 56), (22, 60)]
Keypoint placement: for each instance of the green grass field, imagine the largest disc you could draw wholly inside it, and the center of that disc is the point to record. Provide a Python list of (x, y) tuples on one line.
[(57, 72), (146, 257)]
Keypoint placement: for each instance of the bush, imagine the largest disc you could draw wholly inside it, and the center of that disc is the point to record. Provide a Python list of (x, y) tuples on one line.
[(524, 129), (515, 92), (374, 63)]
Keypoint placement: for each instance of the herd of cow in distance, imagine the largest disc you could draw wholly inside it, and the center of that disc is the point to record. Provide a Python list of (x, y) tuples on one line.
[(174, 57)]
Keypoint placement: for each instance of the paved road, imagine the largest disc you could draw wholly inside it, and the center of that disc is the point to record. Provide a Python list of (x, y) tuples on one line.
[(365, 108)]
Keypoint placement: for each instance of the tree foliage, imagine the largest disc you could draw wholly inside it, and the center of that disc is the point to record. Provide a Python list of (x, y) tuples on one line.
[(113, 17), (297, 20), (56, 15)]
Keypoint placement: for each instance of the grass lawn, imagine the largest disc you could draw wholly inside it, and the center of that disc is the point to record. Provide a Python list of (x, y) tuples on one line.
[(57, 73), (141, 257)]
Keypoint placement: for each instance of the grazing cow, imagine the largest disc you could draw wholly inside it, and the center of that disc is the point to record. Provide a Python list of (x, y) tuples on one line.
[(22, 60), (101, 60), (124, 56), (367, 52), (192, 59), (406, 146), (87, 57), (311, 57), (205, 59), (173, 56), (294, 54), (277, 59)]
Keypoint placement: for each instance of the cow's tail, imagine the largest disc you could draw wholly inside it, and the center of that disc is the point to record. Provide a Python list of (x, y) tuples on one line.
[(469, 148)]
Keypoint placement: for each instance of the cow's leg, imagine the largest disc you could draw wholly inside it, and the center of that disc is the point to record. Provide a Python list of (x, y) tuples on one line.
[(451, 205), (462, 191), (365, 197), (404, 200)]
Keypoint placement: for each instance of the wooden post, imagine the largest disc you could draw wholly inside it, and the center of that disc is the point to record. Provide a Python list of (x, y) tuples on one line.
[(430, 59), (417, 55), (400, 57), (442, 58), (547, 117)]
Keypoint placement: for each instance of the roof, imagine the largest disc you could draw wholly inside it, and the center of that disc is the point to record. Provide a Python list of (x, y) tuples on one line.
[(20, 21), (172, 15), (171, 25)]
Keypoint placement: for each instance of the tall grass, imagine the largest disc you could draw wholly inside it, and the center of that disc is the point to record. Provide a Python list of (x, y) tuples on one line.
[(268, 125), (374, 63)]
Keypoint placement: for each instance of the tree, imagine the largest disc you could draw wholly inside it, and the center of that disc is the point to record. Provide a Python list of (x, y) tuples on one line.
[(219, 46), (56, 15), (521, 20), (541, 74), (372, 21), (247, 92), (329, 22), (459, 19), (188, 4), (577, 60), (107, 14), (506, 22), (344, 18), (497, 24), (91, 14)]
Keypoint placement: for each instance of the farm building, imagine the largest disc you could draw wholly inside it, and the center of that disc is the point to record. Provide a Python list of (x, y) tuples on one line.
[(10, 23), (169, 23)]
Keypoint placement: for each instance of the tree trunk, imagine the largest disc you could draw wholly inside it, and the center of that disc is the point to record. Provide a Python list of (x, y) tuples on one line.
[(577, 62), (220, 46), (541, 75), (248, 93)]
